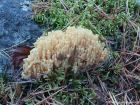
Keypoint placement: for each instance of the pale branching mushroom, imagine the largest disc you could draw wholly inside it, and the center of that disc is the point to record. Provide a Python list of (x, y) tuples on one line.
[(75, 47)]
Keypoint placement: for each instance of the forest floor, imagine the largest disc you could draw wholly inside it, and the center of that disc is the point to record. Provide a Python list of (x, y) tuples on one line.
[(116, 82)]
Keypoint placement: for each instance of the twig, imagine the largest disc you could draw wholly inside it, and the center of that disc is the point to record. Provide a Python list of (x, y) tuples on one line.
[(64, 5), (124, 92), (15, 45), (114, 100), (39, 103), (36, 93)]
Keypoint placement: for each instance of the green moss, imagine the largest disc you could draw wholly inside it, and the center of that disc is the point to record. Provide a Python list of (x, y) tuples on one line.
[(88, 15)]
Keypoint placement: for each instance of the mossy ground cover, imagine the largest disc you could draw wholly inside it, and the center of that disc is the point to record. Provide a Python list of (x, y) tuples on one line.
[(115, 82)]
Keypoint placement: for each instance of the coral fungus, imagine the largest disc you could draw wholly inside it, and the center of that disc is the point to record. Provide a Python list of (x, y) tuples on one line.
[(74, 47)]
